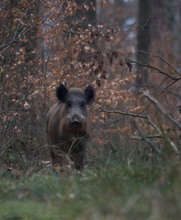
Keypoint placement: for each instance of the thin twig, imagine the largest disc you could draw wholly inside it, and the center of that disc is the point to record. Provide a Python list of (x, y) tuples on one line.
[(157, 69), (163, 60)]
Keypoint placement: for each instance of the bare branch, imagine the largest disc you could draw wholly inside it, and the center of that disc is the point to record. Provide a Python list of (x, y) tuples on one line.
[(137, 115), (144, 138), (163, 60), (176, 76), (148, 136), (157, 69), (149, 121), (158, 105)]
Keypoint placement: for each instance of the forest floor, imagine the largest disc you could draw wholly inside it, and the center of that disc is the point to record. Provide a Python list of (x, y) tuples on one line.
[(114, 189)]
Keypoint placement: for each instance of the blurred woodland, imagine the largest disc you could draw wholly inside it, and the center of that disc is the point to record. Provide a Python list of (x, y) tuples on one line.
[(129, 50)]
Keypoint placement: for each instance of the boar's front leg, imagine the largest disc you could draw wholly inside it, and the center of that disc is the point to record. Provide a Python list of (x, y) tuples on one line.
[(57, 156), (78, 159)]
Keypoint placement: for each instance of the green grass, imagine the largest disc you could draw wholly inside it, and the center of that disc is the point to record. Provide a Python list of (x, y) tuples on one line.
[(114, 189)]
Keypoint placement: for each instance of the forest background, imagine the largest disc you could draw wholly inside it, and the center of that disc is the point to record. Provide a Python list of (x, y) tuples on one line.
[(129, 50)]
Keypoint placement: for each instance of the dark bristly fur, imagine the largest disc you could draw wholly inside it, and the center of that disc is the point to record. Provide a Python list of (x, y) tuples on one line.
[(67, 124)]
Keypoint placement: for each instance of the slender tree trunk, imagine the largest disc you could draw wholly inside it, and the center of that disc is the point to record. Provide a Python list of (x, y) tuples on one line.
[(143, 40), (171, 9)]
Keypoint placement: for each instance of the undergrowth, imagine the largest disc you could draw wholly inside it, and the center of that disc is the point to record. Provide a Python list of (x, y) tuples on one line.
[(114, 189)]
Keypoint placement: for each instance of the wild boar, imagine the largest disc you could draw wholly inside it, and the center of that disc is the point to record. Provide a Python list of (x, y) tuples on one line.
[(67, 124)]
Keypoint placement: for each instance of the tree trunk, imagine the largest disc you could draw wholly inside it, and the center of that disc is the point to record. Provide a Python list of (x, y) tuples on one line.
[(171, 10), (143, 40)]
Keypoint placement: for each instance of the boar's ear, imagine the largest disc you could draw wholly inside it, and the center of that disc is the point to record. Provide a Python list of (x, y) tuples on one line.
[(90, 94), (61, 92)]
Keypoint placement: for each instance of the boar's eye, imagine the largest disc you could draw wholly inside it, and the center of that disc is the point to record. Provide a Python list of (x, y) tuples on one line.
[(82, 104), (69, 104)]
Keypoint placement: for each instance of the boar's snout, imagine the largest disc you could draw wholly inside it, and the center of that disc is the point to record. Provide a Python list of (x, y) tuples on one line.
[(76, 121)]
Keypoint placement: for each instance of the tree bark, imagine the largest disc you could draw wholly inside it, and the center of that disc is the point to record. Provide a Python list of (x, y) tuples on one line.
[(143, 40)]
